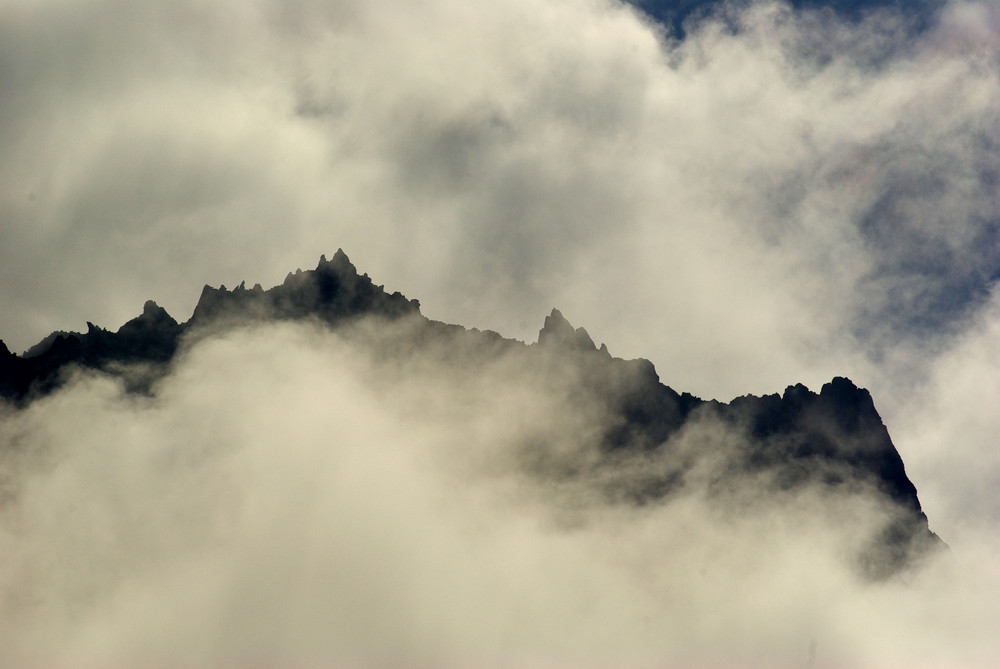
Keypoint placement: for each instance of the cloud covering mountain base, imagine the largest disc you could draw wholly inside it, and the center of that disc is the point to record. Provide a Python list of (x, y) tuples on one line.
[(298, 496)]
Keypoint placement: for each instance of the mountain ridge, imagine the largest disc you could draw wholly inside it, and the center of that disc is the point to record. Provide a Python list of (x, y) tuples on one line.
[(834, 438)]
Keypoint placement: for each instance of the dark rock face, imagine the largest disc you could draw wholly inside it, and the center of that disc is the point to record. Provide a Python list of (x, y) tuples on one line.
[(152, 337), (834, 439), (558, 332), (333, 292), (839, 424)]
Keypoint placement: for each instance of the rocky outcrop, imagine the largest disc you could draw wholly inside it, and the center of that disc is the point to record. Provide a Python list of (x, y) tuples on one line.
[(333, 292), (558, 332), (833, 440), (152, 337), (838, 424)]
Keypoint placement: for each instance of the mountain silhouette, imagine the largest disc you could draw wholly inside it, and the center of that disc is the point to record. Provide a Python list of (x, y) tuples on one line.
[(834, 439)]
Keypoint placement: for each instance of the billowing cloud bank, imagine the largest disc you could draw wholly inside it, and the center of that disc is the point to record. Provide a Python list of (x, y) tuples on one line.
[(291, 497), (798, 190), (797, 199)]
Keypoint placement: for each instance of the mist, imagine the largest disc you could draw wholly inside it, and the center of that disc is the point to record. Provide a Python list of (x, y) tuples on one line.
[(290, 495)]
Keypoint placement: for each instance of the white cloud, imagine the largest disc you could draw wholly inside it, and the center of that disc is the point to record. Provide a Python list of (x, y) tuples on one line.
[(736, 207), (286, 499), (801, 199), (953, 430)]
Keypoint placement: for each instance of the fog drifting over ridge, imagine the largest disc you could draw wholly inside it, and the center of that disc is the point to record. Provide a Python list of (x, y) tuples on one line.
[(290, 496), (801, 199)]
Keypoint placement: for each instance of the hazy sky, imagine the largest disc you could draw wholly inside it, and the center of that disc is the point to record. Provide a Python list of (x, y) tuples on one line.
[(780, 198)]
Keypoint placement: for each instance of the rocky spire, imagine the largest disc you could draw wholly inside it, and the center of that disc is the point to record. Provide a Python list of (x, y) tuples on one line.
[(557, 331), (333, 291)]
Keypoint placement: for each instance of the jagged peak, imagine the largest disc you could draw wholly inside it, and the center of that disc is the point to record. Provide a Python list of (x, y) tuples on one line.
[(333, 290), (555, 324), (46, 343), (843, 389), (340, 263), (853, 407), (841, 396), (152, 314), (557, 330), (207, 303), (796, 391), (207, 292)]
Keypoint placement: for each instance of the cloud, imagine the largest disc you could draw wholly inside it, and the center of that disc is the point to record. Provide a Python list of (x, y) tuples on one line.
[(291, 496), (808, 185), (785, 198), (953, 435)]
